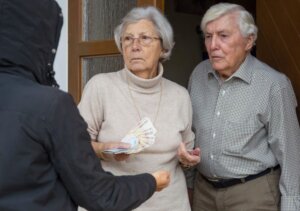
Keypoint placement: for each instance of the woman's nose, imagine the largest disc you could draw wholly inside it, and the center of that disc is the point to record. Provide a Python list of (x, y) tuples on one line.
[(136, 44)]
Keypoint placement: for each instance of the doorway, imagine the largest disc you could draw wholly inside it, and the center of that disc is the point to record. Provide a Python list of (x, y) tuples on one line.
[(189, 50)]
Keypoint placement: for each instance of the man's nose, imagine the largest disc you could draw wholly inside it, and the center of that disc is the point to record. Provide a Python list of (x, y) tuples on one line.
[(214, 42)]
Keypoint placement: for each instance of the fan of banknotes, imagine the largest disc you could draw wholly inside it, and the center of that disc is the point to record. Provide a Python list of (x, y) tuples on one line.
[(139, 138)]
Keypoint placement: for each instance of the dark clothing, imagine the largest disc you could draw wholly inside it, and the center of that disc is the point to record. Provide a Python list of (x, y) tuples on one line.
[(29, 35), (46, 158)]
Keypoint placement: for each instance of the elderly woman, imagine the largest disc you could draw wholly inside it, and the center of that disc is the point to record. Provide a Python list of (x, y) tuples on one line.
[(113, 103)]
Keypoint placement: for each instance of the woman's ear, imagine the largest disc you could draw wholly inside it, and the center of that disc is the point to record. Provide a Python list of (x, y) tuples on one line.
[(163, 52)]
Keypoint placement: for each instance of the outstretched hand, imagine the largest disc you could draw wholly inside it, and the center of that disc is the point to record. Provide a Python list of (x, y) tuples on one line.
[(162, 179), (188, 158)]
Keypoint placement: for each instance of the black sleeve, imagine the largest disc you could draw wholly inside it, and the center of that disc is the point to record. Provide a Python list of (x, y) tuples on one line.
[(80, 170)]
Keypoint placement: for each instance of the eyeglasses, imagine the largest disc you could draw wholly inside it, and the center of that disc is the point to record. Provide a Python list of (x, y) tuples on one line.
[(144, 40)]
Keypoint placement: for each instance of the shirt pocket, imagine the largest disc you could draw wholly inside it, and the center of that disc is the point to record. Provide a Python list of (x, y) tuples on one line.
[(238, 137)]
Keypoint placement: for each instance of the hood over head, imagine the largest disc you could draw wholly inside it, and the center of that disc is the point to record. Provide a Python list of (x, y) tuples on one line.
[(29, 36)]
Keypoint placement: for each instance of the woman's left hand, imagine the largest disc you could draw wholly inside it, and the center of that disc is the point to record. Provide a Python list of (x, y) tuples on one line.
[(188, 158)]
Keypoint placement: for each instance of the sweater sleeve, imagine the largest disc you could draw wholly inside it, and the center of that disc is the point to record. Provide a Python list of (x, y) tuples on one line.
[(80, 170), (188, 135), (91, 108)]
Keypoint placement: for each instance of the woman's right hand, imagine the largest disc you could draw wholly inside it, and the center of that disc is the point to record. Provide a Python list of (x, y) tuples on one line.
[(121, 156), (100, 147), (162, 178)]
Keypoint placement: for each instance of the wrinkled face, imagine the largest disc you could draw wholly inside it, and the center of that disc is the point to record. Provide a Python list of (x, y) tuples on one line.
[(141, 56), (226, 46)]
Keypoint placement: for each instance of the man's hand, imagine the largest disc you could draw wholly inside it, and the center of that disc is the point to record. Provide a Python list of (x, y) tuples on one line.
[(162, 179), (188, 158)]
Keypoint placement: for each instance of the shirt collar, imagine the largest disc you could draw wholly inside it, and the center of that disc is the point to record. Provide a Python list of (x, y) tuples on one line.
[(244, 72)]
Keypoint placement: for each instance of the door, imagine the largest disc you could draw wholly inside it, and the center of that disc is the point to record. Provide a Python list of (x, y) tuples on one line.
[(91, 46), (278, 41)]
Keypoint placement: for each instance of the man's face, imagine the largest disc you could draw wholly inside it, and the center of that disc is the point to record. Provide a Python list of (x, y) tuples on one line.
[(226, 46)]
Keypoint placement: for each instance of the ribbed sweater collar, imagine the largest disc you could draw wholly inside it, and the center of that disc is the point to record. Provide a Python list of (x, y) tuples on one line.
[(142, 85)]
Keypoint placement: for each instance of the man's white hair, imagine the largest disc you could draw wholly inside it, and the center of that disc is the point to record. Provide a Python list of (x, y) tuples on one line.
[(245, 19)]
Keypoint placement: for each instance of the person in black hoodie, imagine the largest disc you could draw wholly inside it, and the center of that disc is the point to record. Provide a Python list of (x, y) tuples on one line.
[(46, 158)]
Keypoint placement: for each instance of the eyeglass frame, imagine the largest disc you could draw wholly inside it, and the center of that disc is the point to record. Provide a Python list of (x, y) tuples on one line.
[(139, 38)]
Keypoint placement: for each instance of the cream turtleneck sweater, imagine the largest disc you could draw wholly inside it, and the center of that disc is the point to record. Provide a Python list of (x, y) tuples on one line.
[(111, 111)]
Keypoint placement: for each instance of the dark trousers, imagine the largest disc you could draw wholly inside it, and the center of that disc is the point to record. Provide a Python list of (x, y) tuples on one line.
[(260, 194)]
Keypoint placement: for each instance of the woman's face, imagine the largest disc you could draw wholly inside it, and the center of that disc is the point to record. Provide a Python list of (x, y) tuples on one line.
[(141, 48)]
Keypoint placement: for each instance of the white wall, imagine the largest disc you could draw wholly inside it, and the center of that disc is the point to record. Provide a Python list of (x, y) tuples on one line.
[(61, 59)]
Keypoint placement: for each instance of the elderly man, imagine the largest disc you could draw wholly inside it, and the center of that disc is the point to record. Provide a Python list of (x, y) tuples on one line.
[(244, 120)]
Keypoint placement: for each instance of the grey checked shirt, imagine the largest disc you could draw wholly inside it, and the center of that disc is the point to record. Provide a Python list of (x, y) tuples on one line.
[(247, 124)]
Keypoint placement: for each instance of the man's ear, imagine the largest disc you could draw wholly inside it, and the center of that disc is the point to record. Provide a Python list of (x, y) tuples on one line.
[(250, 42)]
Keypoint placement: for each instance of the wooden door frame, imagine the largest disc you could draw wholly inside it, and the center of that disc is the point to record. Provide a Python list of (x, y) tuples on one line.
[(78, 49)]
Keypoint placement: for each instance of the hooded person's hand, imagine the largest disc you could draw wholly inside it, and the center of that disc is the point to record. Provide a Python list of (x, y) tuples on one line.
[(162, 178)]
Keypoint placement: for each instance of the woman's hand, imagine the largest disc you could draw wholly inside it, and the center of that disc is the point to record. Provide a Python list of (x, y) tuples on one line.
[(121, 156), (162, 179), (188, 158), (100, 147)]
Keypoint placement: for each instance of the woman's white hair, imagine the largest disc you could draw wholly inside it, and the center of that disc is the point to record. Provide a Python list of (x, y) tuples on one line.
[(161, 24), (245, 19)]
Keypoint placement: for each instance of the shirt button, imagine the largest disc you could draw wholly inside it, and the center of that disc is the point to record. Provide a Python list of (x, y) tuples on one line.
[(223, 92), (214, 135), (218, 113), (211, 156)]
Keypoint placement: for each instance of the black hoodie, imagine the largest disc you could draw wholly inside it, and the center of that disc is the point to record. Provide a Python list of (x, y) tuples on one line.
[(46, 159)]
